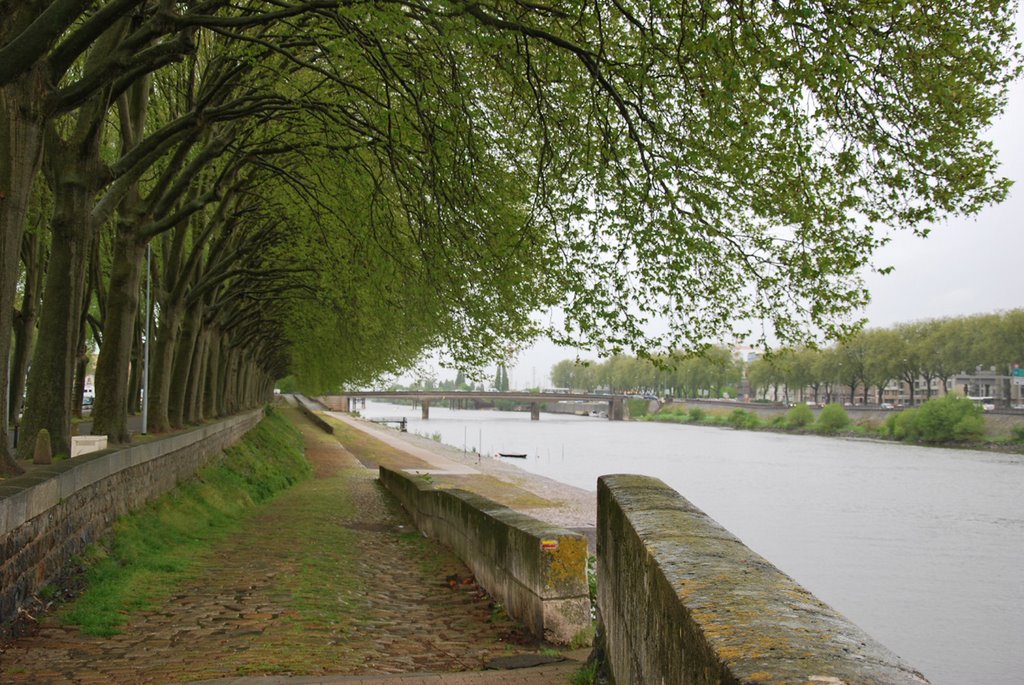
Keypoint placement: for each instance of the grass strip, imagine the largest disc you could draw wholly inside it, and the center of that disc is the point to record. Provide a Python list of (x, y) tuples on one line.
[(152, 551)]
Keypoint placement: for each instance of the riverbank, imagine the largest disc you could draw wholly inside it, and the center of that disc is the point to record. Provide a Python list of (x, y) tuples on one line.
[(945, 422)]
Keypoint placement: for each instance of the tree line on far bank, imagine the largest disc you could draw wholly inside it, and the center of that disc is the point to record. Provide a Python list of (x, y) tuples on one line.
[(860, 367)]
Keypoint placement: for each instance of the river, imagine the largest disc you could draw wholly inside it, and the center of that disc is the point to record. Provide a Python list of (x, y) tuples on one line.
[(921, 547)]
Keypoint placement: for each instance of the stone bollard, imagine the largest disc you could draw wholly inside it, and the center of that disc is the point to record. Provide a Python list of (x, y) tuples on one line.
[(43, 454)]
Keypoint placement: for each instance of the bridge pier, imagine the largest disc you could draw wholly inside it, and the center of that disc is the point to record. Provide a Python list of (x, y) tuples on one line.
[(535, 411), (425, 409), (616, 409)]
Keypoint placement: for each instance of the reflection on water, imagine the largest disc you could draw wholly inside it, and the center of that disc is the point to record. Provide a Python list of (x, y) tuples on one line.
[(923, 548)]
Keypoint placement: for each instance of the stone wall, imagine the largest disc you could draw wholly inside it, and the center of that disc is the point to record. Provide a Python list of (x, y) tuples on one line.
[(52, 513), (536, 570), (682, 601)]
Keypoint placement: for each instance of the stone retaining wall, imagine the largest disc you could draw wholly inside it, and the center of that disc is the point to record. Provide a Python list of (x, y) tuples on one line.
[(52, 513), (682, 601), (538, 571)]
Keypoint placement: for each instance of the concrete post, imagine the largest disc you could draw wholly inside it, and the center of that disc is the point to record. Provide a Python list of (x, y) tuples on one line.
[(425, 409), (535, 411)]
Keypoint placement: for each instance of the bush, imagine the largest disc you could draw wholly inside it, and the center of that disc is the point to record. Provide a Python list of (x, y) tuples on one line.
[(890, 428), (740, 418), (946, 419), (697, 414), (799, 416), (1018, 433), (832, 418)]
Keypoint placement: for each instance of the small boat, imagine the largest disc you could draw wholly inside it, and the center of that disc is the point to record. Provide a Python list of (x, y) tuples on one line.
[(512, 455)]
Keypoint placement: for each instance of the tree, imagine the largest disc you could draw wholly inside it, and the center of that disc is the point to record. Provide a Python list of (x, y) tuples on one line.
[(501, 379), (56, 59), (879, 355), (456, 169)]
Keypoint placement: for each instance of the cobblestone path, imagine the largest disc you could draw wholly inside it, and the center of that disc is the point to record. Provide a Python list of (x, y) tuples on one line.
[(331, 577)]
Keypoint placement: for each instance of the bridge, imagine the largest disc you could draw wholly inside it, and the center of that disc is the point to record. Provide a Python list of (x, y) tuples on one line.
[(343, 402)]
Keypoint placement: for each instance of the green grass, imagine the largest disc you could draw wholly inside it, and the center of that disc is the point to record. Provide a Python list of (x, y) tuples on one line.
[(637, 408), (153, 550), (586, 674)]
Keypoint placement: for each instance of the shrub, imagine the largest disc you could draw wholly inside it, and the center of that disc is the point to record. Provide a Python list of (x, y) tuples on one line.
[(697, 414), (1018, 433), (833, 418), (946, 419), (799, 416), (740, 418), (891, 426)]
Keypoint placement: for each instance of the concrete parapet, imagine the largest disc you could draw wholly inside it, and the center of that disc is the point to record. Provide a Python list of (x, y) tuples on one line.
[(52, 513), (309, 408), (537, 570), (681, 600)]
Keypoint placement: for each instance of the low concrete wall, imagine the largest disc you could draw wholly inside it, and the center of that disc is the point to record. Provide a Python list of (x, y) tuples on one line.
[(52, 513), (682, 601), (538, 571), (309, 408)]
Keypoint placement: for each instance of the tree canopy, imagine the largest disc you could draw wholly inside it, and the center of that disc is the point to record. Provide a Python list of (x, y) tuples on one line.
[(332, 187)]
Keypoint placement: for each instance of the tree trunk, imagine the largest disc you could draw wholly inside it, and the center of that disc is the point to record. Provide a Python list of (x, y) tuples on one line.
[(81, 370), (114, 365), (25, 326), (211, 398), (21, 140), (197, 380), (183, 358), (227, 367), (50, 382), (137, 369), (82, 350), (161, 366)]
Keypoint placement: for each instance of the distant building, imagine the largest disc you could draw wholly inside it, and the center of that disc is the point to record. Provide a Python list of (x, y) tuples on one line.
[(1005, 390)]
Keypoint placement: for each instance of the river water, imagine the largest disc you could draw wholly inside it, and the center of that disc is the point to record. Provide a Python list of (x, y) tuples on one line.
[(921, 547)]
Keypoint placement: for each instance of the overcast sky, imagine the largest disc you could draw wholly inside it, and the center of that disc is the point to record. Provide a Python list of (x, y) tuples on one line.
[(965, 266)]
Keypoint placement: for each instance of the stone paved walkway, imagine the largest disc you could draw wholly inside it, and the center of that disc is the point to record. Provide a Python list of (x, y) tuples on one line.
[(329, 581)]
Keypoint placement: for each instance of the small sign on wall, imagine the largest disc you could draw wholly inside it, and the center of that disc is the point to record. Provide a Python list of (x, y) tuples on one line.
[(549, 545)]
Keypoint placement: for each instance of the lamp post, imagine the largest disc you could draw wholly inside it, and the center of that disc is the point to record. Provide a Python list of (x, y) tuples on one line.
[(145, 354)]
